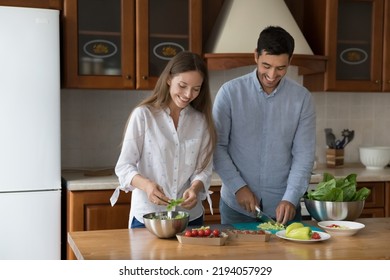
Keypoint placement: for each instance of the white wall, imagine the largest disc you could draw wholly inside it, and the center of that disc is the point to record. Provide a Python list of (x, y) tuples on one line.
[(93, 120)]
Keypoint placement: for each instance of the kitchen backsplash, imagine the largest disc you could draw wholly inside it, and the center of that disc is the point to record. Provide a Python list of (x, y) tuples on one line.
[(93, 121)]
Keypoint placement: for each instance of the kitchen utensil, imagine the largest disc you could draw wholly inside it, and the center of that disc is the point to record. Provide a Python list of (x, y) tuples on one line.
[(350, 136), (206, 241), (341, 228), (330, 138), (374, 158), (263, 216), (347, 137), (324, 236), (334, 210), (161, 225)]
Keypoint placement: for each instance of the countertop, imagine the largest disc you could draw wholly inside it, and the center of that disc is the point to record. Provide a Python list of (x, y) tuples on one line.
[(139, 244), (78, 181)]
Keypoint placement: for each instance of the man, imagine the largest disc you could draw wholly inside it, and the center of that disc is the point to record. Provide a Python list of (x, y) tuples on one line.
[(266, 136)]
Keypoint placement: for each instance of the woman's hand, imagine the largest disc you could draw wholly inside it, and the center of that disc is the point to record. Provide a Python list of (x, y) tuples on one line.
[(154, 192), (191, 195)]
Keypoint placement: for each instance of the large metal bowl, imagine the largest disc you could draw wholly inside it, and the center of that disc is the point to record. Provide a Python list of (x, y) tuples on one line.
[(166, 224), (334, 211)]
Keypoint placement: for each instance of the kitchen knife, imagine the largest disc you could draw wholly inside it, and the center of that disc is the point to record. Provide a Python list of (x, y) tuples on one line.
[(264, 217)]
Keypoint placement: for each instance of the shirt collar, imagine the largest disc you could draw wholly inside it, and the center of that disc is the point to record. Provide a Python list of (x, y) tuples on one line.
[(275, 91), (183, 111)]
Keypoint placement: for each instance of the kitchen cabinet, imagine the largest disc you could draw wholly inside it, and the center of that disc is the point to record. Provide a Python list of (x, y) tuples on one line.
[(354, 35), (126, 44), (91, 210), (377, 205), (214, 218), (139, 244), (43, 4), (374, 206)]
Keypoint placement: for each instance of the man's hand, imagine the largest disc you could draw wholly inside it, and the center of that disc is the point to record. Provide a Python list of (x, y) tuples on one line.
[(285, 212), (247, 199)]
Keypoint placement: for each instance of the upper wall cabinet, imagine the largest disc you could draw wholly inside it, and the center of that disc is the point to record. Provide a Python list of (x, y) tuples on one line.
[(44, 4), (354, 35), (125, 44)]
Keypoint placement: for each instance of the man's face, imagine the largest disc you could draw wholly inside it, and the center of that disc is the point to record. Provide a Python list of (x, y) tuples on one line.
[(271, 69)]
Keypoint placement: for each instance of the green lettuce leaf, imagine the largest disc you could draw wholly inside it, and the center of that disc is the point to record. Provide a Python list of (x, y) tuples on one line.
[(341, 189)]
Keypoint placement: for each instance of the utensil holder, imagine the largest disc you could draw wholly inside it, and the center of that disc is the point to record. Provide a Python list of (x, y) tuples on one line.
[(334, 158)]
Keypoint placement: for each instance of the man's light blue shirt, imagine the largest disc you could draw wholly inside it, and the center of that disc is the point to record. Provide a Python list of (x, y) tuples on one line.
[(264, 141)]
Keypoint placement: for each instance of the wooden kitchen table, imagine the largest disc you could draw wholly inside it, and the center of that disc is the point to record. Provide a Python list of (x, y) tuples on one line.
[(372, 242)]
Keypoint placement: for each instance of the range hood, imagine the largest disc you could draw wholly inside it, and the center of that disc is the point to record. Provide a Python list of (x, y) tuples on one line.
[(234, 36)]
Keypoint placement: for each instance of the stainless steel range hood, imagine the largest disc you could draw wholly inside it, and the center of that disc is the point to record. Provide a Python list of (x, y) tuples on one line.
[(234, 36)]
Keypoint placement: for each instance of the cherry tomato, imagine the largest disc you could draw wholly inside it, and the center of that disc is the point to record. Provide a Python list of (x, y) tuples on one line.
[(316, 235), (200, 232), (194, 233), (333, 226), (216, 232), (188, 233), (207, 232)]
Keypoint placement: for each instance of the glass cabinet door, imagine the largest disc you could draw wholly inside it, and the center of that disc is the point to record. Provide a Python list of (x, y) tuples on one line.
[(126, 43), (99, 44), (99, 37), (358, 46), (164, 28)]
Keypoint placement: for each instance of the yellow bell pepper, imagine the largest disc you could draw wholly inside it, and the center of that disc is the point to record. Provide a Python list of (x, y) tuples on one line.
[(293, 226), (302, 233)]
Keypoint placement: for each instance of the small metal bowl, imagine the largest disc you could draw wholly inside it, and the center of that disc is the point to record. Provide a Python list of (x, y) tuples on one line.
[(166, 224), (334, 211)]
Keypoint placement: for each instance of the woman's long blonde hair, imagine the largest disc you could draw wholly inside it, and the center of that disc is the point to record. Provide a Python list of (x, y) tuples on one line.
[(183, 62)]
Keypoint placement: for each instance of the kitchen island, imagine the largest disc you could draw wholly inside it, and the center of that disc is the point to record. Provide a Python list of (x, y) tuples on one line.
[(371, 243), (88, 197)]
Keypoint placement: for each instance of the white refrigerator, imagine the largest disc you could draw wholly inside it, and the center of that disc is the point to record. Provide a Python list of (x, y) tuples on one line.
[(30, 163)]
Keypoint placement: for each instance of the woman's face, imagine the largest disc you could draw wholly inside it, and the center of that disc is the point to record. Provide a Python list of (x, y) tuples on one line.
[(184, 88)]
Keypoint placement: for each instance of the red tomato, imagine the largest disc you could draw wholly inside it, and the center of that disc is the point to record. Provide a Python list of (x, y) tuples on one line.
[(315, 235), (194, 233), (216, 232), (207, 232), (200, 232), (188, 233), (333, 226)]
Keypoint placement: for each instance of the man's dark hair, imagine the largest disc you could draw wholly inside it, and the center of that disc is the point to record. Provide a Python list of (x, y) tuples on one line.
[(275, 40)]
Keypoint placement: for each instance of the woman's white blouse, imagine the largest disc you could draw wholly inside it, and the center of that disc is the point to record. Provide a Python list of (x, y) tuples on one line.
[(153, 148)]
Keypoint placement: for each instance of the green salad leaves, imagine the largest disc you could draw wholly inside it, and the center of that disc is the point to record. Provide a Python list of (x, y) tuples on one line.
[(174, 202), (341, 189)]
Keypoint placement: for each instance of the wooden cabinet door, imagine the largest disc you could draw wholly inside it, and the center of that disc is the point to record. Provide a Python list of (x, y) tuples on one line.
[(44, 4), (164, 28), (126, 44), (98, 44), (355, 45), (353, 34), (214, 218), (91, 210), (374, 206), (386, 47)]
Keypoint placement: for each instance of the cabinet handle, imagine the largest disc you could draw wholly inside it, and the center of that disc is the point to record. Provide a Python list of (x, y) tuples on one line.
[(144, 77), (128, 77), (376, 81)]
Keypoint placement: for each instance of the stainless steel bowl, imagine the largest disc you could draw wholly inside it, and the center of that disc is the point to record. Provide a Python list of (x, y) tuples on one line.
[(334, 211), (166, 224)]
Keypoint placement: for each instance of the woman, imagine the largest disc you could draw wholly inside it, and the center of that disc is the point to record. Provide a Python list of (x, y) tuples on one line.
[(169, 142)]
